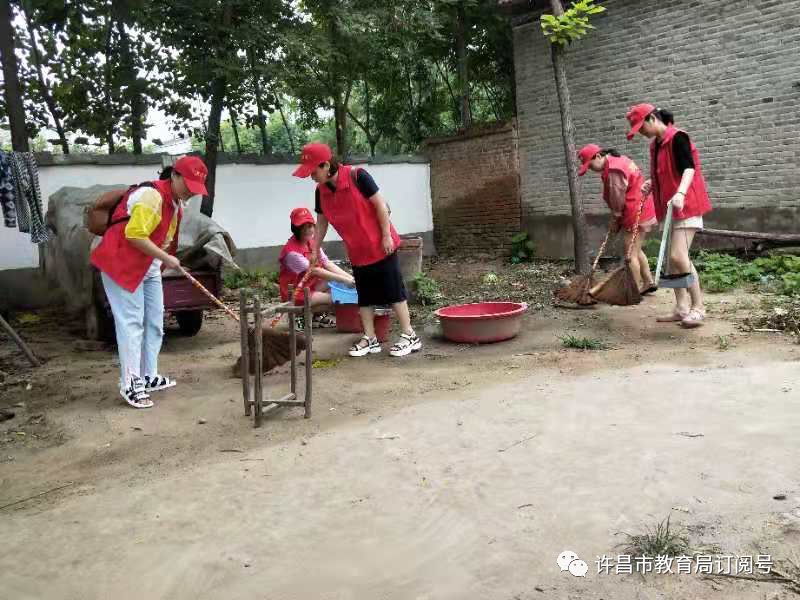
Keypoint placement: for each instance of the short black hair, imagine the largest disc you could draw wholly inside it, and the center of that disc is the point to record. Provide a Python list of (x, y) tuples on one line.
[(166, 173), (297, 231), (611, 151)]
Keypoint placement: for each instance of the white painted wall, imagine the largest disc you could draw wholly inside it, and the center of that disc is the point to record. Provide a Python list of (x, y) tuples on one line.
[(252, 201)]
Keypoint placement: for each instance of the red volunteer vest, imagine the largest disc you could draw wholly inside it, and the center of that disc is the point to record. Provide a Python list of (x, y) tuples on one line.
[(666, 180), (355, 219), (118, 258), (287, 277), (633, 195)]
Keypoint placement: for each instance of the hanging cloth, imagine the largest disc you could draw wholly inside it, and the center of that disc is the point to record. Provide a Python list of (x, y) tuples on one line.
[(7, 191), (28, 196)]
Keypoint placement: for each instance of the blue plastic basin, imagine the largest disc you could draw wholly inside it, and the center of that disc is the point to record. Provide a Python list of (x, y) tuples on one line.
[(342, 294)]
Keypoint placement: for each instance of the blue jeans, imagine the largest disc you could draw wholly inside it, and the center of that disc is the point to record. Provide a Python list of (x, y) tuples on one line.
[(139, 323)]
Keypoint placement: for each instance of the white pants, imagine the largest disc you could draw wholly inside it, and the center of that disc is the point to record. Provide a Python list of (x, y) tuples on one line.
[(139, 323)]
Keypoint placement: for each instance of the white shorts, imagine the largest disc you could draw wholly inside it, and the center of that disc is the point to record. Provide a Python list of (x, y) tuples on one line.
[(690, 223)]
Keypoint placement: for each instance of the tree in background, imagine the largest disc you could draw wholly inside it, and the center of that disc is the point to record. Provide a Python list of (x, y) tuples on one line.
[(12, 92), (562, 28)]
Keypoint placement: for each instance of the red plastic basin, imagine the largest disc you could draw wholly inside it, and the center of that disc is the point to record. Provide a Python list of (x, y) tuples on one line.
[(481, 323), (348, 320)]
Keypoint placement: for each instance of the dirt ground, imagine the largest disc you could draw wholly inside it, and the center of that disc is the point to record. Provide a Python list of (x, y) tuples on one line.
[(459, 472)]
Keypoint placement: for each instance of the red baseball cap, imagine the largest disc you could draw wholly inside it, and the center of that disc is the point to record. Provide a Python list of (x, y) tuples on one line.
[(311, 157), (194, 173), (301, 216), (586, 154), (636, 116)]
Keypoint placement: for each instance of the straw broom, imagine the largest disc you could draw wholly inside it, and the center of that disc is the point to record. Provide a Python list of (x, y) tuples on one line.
[(577, 290), (620, 288), (276, 344)]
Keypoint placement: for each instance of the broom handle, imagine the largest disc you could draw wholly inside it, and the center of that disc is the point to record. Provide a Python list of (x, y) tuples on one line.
[(662, 251), (211, 296), (601, 250), (635, 230)]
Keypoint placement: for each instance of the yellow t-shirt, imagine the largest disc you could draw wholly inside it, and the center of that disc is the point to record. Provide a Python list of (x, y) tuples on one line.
[(144, 208)]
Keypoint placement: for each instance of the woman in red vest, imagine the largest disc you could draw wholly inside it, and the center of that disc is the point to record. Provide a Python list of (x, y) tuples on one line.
[(622, 192), (349, 199), (675, 176), (142, 240), (295, 260)]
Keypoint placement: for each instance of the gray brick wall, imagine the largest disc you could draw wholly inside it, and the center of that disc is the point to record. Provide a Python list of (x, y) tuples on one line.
[(729, 71)]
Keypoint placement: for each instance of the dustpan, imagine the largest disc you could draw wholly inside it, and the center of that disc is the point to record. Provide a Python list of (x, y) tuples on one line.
[(664, 278)]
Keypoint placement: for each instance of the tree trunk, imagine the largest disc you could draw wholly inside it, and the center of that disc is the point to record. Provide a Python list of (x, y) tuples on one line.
[(134, 91), (11, 87), (262, 124), (285, 123), (235, 131), (463, 70), (579, 227), (340, 115), (218, 89), (44, 89), (107, 87)]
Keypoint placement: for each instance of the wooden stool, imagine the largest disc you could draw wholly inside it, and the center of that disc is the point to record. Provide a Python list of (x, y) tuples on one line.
[(254, 403)]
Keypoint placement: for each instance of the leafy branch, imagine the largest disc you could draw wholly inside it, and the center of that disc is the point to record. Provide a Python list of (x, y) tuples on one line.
[(572, 25)]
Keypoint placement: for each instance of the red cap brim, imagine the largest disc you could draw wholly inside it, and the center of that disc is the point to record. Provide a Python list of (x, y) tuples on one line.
[(303, 221), (197, 188), (303, 171), (634, 129), (584, 167)]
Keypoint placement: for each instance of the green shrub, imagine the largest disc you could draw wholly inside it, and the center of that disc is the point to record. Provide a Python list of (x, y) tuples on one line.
[(720, 272), (426, 289), (582, 343), (250, 278), (522, 248)]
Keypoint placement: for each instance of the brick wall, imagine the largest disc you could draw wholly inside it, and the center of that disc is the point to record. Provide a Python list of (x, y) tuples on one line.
[(729, 71), (475, 190)]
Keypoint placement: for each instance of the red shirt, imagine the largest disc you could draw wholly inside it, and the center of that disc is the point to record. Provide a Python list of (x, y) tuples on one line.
[(666, 179), (355, 219), (633, 193), (287, 277), (125, 264)]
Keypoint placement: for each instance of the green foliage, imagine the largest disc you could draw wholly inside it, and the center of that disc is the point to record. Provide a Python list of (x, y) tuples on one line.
[(389, 68), (582, 343), (721, 272), (427, 289), (523, 248), (572, 25), (250, 278), (661, 540)]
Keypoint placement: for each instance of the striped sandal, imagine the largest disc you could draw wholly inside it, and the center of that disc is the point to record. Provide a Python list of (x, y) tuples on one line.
[(365, 346), (158, 382), (135, 394), (408, 343)]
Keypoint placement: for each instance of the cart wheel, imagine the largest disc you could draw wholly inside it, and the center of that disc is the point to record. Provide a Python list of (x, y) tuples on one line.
[(189, 321), (99, 324)]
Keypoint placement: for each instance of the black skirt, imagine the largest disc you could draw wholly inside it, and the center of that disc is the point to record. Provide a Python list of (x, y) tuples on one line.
[(380, 283)]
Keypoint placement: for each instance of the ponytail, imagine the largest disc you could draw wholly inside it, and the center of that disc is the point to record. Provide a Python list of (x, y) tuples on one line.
[(663, 115), (334, 168)]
